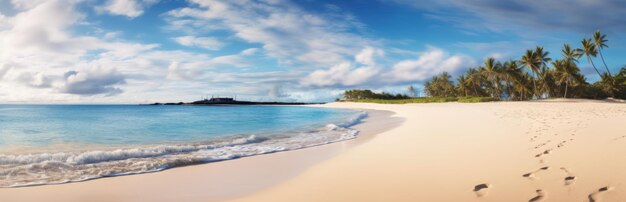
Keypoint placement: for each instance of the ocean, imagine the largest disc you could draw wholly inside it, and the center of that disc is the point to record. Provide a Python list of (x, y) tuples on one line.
[(52, 144)]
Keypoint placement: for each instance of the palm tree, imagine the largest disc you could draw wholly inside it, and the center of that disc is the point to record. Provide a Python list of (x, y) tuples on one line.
[(511, 72), (600, 42), (474, 79), (547, 83), (462, 85), (566, 72), (542, 58), (522, 86), (571, 55), (590, 50), (529, 61), (492, 72)]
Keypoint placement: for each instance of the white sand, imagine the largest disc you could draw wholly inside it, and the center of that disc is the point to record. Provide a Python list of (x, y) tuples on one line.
[(443, 151), (439, 152)]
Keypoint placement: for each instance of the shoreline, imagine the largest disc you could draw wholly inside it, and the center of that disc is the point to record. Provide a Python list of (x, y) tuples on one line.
[(564, 150), (226, 179), (497, 151)]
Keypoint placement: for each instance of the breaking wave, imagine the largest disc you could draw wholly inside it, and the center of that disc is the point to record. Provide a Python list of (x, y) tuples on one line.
[(53, 168)]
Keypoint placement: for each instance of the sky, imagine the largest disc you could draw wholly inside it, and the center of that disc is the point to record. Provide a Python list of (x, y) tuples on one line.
[(143, 51)]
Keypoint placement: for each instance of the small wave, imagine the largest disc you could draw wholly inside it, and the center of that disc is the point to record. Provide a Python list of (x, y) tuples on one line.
[(53, 168)]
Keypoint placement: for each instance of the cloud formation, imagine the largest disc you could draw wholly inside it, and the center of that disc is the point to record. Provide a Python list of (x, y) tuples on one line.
[(429, 63), (93, 81), (519, 15), (362, 70), (201, 42), (128, 8), (285, 31)]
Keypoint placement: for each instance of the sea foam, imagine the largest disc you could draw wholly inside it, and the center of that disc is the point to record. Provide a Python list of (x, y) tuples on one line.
[(53, 168)]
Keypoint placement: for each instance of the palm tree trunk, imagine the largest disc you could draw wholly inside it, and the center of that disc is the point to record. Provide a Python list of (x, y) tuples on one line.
[(535, 85), (602, 57), (566, 82), (594, 66)]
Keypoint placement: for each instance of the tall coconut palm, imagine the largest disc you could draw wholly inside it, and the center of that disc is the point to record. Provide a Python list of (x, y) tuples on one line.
[(547, 84), (474, 79), (589, 49), (522, 86), (542, 58), (492, 71), (599, 40), (529, 61), (462, 86), (570, 54), (511, 72), (566, 73)]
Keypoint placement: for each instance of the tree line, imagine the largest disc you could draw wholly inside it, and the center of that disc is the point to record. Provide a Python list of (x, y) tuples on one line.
[(358, 94), (535, 75)]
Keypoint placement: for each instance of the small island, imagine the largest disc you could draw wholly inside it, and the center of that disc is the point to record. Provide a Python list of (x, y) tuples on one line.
[(217, 101)]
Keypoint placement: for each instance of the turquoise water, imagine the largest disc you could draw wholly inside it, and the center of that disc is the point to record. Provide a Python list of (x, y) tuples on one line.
[(48, 144)]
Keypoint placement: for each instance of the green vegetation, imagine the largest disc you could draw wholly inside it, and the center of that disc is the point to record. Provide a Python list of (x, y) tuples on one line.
[(535, 76), (357, 94), (410, 100), (477, 99), (426, 100)]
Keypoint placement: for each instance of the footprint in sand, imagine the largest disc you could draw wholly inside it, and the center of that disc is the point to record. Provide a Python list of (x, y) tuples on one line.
[(593, 197), (540, 195), (531, 175), (569, 178), (481, 189), (547, 151)]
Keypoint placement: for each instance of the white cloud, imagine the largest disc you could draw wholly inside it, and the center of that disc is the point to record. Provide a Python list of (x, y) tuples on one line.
[(26, 4), (250, 51), (346, 73), (128, 8), (202, 42), (176, 72), (93, 81), (366, 56), (285, 31), (429, 63), (36, 80), (301, 55), (343, 74)]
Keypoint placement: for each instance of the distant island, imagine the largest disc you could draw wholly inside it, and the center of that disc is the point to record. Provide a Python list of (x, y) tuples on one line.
[(231, 101)]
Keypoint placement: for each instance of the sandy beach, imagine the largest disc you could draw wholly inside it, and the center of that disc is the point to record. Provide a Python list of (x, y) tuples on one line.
[(560, 150), (522, 151)]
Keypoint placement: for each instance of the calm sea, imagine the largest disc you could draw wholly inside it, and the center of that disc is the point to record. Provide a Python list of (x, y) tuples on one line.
[(49, 144)]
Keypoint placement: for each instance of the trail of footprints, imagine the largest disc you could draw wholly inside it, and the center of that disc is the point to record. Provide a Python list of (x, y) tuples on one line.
[(569, 178)]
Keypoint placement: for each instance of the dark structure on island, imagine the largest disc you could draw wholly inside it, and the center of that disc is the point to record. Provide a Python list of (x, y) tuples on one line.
[(216, 101)]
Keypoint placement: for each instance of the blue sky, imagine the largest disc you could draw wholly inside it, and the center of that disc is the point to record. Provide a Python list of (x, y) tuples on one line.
[(132, 51)]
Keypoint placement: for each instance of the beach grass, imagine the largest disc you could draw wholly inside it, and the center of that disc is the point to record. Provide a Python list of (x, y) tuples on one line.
[(426, 100), (477, 99)]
